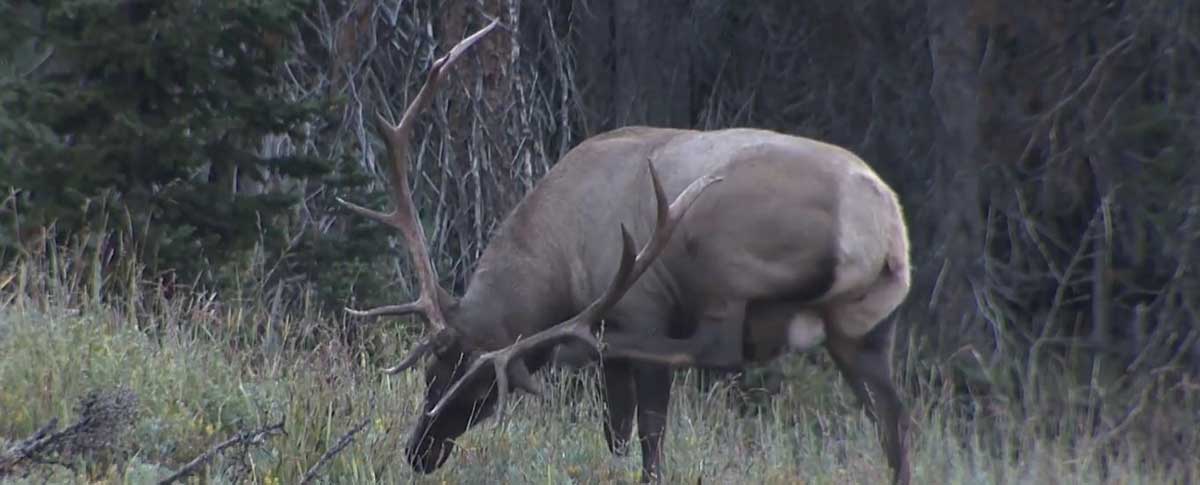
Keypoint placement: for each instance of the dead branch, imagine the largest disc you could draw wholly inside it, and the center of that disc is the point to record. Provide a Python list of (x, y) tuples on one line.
[(341, 444), (104, 416), (29, 449), (257, 436)]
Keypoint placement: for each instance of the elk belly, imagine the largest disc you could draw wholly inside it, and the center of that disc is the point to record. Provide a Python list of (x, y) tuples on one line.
[(805, 331)]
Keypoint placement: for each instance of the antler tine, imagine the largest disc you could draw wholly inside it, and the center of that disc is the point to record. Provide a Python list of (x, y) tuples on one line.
[(404, 217), (501, 360), (424, 346), (579, 327), (667, 217), (437, 72), (403, 309)]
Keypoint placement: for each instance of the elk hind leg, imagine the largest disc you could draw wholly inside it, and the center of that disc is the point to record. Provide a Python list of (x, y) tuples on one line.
[(866, 366)]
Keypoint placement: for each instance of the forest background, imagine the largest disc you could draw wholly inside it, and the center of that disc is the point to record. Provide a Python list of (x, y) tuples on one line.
[(187, 155)]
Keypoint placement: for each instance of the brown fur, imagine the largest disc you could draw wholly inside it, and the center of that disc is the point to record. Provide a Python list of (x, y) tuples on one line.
[(774, 229), (800, 242)]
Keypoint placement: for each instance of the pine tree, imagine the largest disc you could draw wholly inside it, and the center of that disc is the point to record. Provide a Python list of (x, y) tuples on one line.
[(150, 116)]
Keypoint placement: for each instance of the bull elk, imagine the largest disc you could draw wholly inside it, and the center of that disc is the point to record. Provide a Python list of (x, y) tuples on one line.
[(772, 243)]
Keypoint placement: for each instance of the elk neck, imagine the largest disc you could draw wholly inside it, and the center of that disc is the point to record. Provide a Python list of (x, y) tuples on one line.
[(512, 293)]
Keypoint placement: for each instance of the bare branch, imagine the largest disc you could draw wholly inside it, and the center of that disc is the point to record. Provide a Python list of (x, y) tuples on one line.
[(255, 437), (29, 448), (104, 416), (341, 444)]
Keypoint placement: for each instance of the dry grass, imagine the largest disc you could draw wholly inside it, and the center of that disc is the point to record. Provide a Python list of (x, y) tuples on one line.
[(203, 371)]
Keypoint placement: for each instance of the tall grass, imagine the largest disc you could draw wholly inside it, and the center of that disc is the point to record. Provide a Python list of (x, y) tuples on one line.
[(204, 369)]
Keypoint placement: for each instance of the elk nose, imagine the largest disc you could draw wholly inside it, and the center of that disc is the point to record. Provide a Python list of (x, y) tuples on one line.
[(428, 455)]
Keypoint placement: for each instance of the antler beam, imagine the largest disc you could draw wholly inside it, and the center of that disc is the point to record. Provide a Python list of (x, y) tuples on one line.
[(433, 298)]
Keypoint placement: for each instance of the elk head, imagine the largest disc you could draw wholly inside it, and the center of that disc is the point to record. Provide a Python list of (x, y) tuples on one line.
[(469, 376)]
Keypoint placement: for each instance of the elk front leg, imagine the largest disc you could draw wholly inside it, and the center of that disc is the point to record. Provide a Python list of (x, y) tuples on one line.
[(620, 400), (715, 343), (719, 334), (653, 383)]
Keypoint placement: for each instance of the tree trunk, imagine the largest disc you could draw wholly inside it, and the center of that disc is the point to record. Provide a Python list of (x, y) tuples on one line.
[(635, 59), (954, 30)]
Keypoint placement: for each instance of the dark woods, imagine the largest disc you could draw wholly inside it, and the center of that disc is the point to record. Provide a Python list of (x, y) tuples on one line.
[(1046, 152)]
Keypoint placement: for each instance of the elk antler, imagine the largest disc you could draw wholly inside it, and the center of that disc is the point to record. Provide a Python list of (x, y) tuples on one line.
[(579, 326), (432, 296)]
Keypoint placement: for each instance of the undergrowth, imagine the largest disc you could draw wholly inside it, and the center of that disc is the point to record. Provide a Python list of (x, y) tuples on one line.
[(203, 369)]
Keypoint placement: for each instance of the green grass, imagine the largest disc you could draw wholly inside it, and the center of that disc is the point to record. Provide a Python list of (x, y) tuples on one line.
[(203, 370)]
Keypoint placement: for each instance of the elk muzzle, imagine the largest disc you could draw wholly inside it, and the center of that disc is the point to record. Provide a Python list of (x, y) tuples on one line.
[(432, 440), (427, 453)]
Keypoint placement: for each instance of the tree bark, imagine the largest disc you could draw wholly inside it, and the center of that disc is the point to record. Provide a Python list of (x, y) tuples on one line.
[(635, 58), (954, 29), (653, 63)]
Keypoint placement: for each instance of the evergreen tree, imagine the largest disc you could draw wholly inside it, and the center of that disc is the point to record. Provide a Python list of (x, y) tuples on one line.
[(151, 116)]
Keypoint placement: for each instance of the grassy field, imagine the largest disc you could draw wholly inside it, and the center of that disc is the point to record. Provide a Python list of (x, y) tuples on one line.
[(197, 371)]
